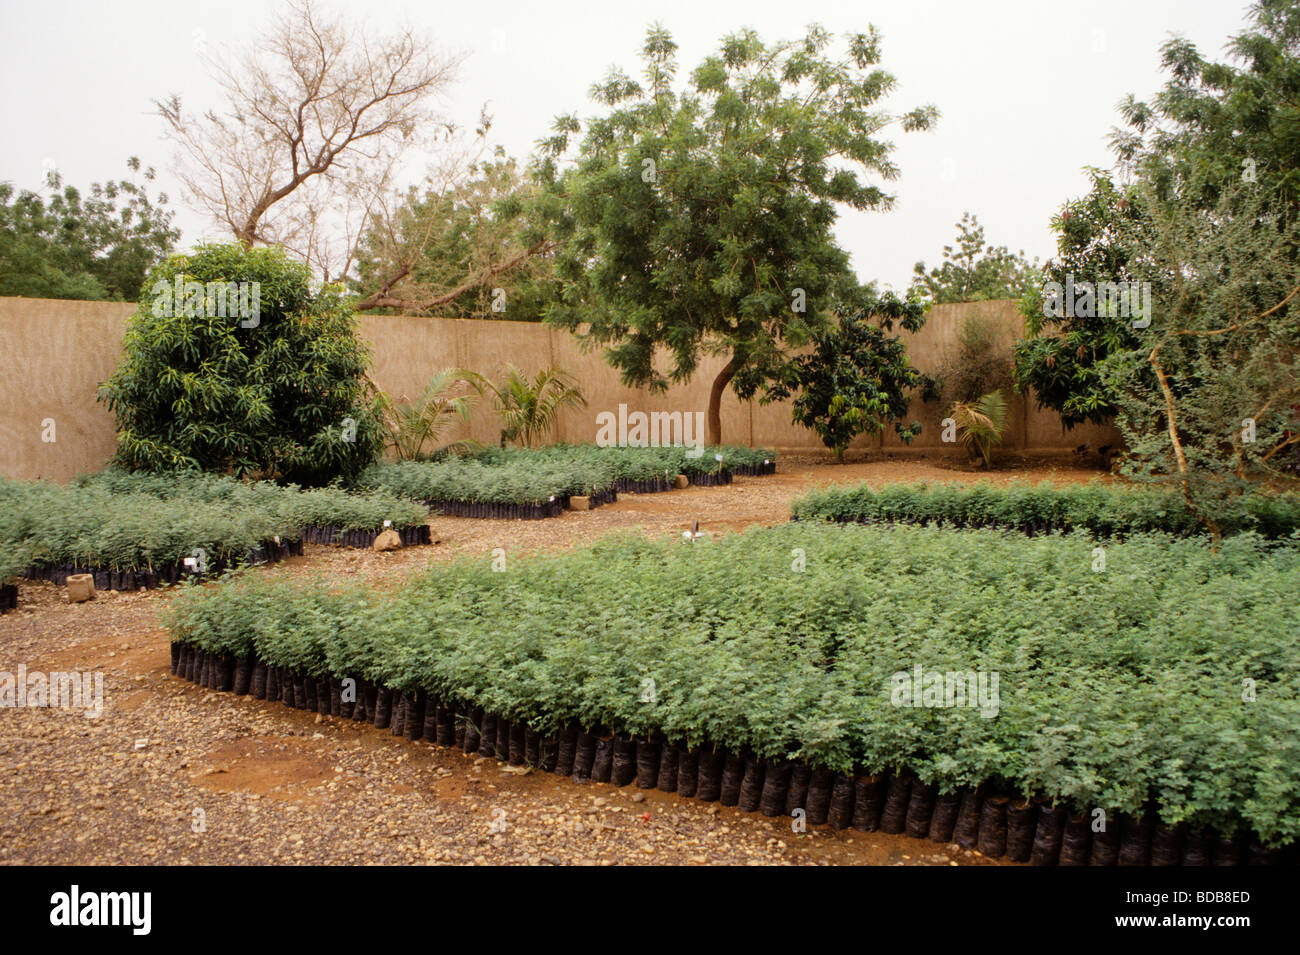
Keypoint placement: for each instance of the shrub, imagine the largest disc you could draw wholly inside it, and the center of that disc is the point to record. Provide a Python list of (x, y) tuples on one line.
[(978, 363), (410, 425), (530, 407), (980, 424), (856, 378), (281, 398)]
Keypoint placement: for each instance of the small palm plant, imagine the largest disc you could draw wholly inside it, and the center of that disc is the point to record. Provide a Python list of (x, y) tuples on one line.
[(529, 407), (413, 424), (980, 423)]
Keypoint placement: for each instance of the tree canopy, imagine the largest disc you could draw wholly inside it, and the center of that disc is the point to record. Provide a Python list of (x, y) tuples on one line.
[(439, 234), (1211, 129), (975, 271), (96, 246), (698, 217)]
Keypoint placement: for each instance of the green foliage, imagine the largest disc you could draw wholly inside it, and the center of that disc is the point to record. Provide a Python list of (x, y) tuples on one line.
[(1212, 129), (856, 377), (350, 510), (535, 475), (96, 247), (975, 271), (127, 521), (1060, 356), (529, 407), (93, 526), (450, 235), (1210, 396), (1116, 689), (980, 424), (700, 219), (457, 479), (15, 558), (270, 394), (410, 425), (1101, 509), (1216, 123)]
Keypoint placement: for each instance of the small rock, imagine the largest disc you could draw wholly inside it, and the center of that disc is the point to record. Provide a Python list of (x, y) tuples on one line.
[(387, 540)]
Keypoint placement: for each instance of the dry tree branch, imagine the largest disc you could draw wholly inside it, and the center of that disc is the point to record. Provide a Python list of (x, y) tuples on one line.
[(316, 106)]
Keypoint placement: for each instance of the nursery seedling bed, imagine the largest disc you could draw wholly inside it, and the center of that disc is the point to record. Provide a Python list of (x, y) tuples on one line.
[(974, 818), (754, 470), (767, 653), (1108, 511), (169, 573), (709, 478), (518, 512), (413, 535), (650, 486)]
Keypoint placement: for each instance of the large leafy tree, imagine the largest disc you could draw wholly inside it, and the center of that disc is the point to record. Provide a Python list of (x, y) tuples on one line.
[(1209, 396), (974, 271), (856, 377), (274, 388), (1060, 356), (1216, 125), (699, 219), (1213, 127), (98, 245)]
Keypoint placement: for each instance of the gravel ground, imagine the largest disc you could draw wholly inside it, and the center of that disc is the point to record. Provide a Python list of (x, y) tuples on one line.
[(172, 774)]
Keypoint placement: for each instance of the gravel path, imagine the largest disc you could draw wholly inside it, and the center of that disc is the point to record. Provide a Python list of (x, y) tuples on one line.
[(172, 774)]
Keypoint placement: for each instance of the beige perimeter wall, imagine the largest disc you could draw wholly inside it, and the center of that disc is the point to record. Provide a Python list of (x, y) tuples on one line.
[(55, 353)]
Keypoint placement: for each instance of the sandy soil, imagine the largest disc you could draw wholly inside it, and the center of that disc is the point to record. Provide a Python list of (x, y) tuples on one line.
[(172, 774)]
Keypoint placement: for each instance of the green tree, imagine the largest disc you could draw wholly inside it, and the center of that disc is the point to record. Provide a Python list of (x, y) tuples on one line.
[(97, 246), (1209, 396), (447, 241), (975, 271), (1213, 127), (856, 376), (1216, 125), (273, 387), (1060, 356), (700, 220)]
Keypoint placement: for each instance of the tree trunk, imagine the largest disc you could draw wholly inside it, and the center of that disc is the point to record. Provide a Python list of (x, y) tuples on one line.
[(715, 401)]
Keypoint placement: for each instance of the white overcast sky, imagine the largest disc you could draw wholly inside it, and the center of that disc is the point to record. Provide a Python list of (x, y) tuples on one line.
[(1027, 90)]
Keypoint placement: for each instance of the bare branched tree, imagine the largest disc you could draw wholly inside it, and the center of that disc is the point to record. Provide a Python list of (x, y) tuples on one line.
[(312, 132)]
